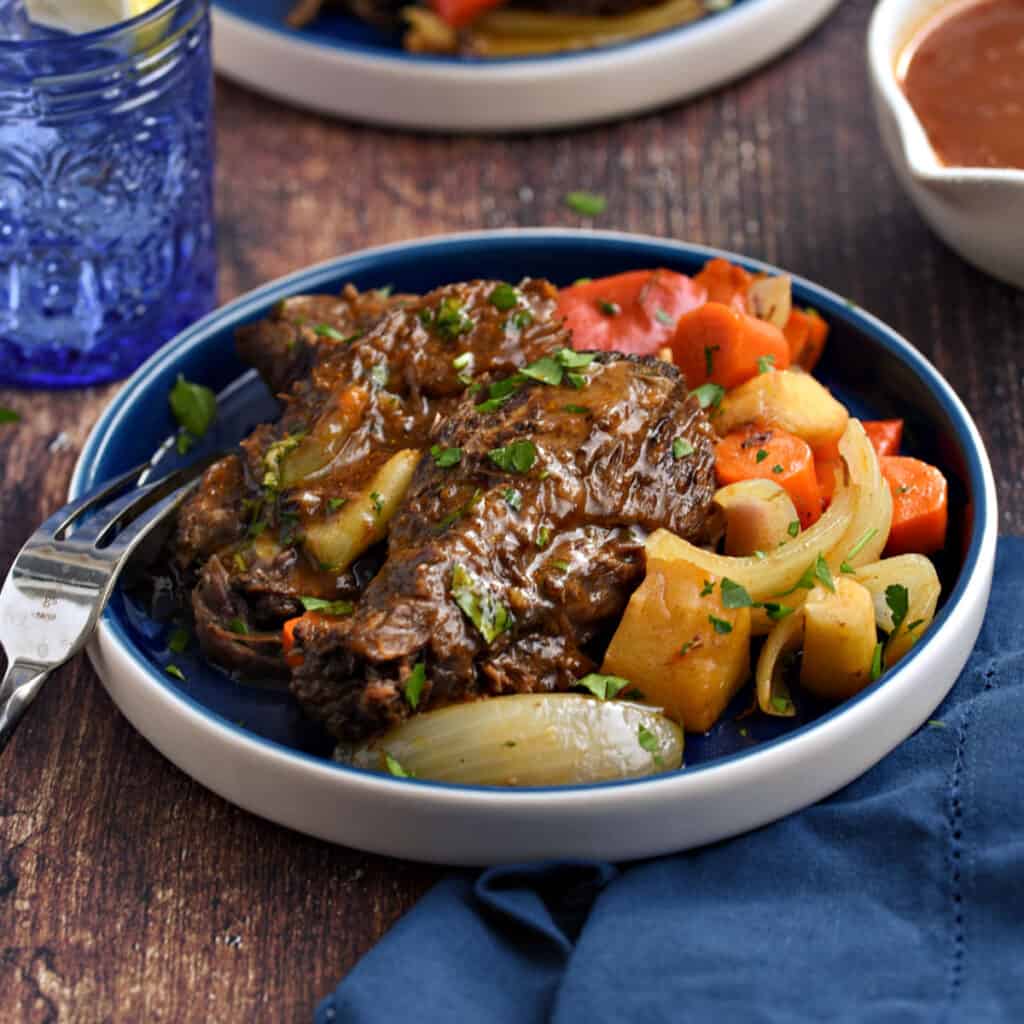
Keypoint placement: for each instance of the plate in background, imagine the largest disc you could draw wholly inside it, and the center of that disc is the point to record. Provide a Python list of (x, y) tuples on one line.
[(253, 746), (344, 67)]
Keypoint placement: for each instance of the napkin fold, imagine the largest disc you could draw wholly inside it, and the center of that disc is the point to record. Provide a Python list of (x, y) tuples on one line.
[(900, 898)]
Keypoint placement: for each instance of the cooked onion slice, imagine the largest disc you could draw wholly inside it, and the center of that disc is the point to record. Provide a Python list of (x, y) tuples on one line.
[(546, 739), (918, 575), (772, 693)]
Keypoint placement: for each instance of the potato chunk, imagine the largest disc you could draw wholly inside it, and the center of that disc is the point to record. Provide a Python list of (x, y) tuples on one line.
[(680, 646), (784, 398), (839, 640)]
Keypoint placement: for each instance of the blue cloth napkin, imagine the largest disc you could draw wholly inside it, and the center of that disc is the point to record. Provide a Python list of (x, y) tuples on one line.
[(899, 899)]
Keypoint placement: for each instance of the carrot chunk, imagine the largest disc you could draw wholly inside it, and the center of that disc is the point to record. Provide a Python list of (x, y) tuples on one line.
[(771, 454), (920, 505), (885, 435), (291, 656), (459, 13), (717, 343), (725, 283), (634, 312)]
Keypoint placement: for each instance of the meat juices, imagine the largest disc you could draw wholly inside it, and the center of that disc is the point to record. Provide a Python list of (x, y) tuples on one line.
[(498, 576)]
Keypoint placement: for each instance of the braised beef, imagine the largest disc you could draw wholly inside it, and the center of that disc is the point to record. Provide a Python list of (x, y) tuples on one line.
[(506, 569)]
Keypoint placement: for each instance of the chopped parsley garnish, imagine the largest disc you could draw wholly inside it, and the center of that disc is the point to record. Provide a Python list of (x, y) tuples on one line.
[(9, 415), (782, 704), (707, 589), (663, 318), (776, 612), (603, 687), (583, 280), (559, 564), (580, 410), (414, 683), (513, 498), (239, 562), (721, 626), (333, 504), (761, 455), (685, 649), (765, 363), (239, 626), (274, 456), (543, 536), (916, 624), (377, 500), (379, 375), (861, 544), (876, 662), (327, 331), (577, 380), (520, 319), (179, 639), (824, 574), (709, 395), (320, 604), (461, 510), (573, 360), (463, 361), (609, 308), (649, 742), (936, 723), (681, 448), (734, 595), (396, 769), (450, 319), (794, 528), (586, 204), (709, 358), (504, 297), (445, 458), (777, 468), (173, 670), (897, 598), (546, 370), (485, 611), (817, 570), (517, 457), (256, 527), (194, 407), (759, 554)]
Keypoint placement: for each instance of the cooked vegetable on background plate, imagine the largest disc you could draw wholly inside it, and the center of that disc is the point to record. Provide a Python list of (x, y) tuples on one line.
[(514, 534)]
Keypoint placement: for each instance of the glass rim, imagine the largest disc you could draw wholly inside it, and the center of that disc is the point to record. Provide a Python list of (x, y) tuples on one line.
[(85, 39)]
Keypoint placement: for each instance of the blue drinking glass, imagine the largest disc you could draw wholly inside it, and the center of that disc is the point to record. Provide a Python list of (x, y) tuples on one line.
[(106, 196)]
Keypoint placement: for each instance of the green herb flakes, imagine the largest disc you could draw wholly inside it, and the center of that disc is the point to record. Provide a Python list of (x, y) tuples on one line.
[(709, 395), (765, 364), (377, 500), (861, 544), (490, 617), (543, 537), (513, 498), (824, 574), (179, 640), (9, 415), (325, 607), (327, 331), (396, 769), (580, 410), (274, 457), (876, 662), (194, 407), (238, 626), (586, 204), (445, 458), (517, 457), (681, 448), (782, 704), (709, 358), (576, 380), (794, 528), (777, 468), (333, 504), (504, 297), (559, 564), (707, 589), (414, 684), (573, 360), (547, 370), (776, 612), (761, 455), (609, 308), (450, 319), (897, 598), (735, 595), (463, 361), (649, 742), (721, 626), (520, 319), (603, 687), (379, 374), (663, 318), (173, 670)]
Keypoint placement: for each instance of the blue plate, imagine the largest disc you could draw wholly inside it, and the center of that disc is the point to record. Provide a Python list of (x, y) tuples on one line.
[(340, 65), (866, 364)]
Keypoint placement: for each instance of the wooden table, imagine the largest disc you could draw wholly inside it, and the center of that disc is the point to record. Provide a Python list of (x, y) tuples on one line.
[(129, 893)]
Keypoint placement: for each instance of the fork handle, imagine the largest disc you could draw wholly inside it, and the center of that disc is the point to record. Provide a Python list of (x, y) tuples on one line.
[(21, 683)]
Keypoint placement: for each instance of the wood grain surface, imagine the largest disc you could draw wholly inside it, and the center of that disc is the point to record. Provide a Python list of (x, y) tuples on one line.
[(127, 892)]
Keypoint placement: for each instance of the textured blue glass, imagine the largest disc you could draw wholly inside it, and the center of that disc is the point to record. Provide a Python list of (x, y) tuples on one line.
[(106, 206)]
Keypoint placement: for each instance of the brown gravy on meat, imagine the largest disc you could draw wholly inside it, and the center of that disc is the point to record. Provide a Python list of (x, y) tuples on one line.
[(963, 74)]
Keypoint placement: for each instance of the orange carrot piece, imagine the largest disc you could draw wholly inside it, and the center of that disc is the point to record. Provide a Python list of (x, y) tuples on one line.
[(920, 505), (771, 454), (885, 435), (817, 335), (797, 331), (719, 344), (288, 642), (725, 283), (634, 312), (459, 13)]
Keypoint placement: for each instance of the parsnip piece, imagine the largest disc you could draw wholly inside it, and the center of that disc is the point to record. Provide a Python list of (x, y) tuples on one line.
[(771, 299), (793, 401), (679, 644), (758, 516), (918, 575), (329, 433), (528, 739), (337, 541), (839, 640)]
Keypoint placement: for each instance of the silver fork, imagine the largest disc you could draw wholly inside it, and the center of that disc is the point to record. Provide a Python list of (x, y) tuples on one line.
[(64, 575)]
